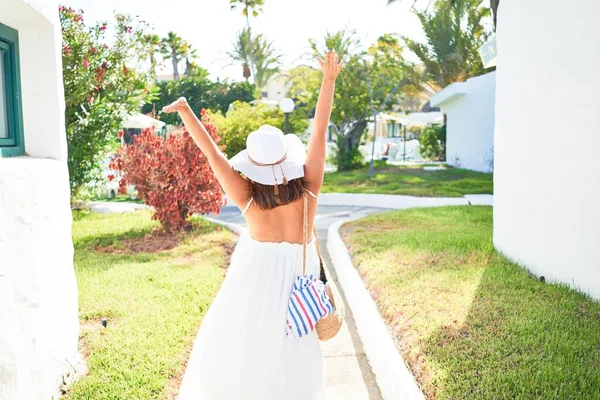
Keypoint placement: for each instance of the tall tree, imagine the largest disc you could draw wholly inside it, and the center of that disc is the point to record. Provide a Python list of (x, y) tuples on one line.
[(454, 31), (189, 54), (248, 7), (369, 81), (267, 61), (171, 49), (154, 45), (241, 51)]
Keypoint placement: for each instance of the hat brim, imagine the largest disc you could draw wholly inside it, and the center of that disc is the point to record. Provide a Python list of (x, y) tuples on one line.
[(292, 166)]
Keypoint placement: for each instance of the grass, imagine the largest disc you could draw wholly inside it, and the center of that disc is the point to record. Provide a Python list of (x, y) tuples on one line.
[(410, 180), (471, 324), (154, 301), (120, 198)]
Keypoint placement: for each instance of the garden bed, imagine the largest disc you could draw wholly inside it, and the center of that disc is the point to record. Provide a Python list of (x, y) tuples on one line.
[(469, 323), (153, 289), (411, 180)]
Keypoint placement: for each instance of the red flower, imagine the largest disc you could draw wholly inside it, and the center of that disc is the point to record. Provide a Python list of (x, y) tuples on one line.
[(90, 100), (103, 28), (86, 63), (120, 133), (111, 178)]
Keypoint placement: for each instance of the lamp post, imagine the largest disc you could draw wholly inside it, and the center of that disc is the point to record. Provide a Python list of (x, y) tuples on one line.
[(287, 106)]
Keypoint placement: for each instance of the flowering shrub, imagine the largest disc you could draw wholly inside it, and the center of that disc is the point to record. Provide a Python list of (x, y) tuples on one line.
[(172, 175), (101, 86)]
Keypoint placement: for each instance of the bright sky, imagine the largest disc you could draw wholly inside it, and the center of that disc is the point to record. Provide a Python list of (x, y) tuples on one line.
[(211, 26)]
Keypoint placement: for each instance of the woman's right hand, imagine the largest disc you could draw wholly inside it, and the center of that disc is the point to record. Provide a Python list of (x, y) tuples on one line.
[(331, 66), (177, 105)]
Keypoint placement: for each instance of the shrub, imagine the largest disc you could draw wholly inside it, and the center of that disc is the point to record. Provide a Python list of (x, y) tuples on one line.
[(349, 159), (172, 175), (200, 93), (100, 87), (433, 143), (244, 118)]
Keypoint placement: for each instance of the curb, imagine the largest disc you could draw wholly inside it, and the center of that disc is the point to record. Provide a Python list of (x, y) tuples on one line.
[(398, 202), (391, 373)]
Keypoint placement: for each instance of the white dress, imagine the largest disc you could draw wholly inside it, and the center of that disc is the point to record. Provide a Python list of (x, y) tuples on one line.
[(241, 351)]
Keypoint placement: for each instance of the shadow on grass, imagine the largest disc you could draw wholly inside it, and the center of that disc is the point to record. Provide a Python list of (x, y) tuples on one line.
[(471, 324), (522, 339)]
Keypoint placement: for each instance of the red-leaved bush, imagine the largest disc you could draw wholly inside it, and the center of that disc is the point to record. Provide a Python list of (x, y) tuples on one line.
[(172, 175)]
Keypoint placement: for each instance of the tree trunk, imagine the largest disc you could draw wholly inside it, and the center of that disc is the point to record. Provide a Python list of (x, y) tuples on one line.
[(175, 64), (250, 46), (494, 6), (153, 64), (348, 145), (188, 68)]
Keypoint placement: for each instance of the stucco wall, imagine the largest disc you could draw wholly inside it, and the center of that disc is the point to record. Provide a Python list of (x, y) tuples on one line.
[(470, 125), (547, 173), (38, 292)]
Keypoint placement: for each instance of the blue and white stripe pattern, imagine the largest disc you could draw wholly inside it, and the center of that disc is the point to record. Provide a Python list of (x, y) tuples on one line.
[(308, 304)]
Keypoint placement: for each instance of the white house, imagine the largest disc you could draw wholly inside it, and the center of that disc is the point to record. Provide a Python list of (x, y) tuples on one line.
[(547, 141), (276, 89), (469, 107), (38, 292)]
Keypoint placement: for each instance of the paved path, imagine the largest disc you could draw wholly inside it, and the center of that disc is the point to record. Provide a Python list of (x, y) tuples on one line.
[(349, 376)]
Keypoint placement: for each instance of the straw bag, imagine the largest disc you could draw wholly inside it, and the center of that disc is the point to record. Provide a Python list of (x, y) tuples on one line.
[(319, 292)]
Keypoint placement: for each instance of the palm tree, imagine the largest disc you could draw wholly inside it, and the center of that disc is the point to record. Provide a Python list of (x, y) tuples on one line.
[(189, 55), (172, 49), (154, 45), (454, 32), (241, 51), (253, 7), (267, 61), (493, 6)]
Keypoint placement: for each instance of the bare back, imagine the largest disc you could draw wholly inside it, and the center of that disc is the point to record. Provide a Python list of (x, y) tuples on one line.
[(280, 224)]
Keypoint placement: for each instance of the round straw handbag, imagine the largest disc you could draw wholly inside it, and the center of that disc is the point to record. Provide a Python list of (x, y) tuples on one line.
[(329, 326)]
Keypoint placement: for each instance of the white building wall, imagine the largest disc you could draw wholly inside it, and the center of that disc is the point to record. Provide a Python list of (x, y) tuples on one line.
[(38, 293), (547, 173), (276, 89), (470, 125)]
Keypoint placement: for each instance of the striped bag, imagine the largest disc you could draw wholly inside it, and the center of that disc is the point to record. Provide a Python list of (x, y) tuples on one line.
[(308, 304)]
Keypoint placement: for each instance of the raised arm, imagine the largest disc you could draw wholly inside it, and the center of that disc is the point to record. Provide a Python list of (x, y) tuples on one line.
[(315, 156), (233, 184)]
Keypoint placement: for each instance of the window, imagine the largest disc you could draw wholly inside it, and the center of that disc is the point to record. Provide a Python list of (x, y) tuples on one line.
[(11, 116), (264, 94)]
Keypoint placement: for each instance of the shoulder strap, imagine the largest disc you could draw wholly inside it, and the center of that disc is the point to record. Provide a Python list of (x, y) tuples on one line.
[(247, 205), (312, 194)]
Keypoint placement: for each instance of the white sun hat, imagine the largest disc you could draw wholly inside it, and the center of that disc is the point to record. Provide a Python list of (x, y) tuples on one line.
[(271, 158)]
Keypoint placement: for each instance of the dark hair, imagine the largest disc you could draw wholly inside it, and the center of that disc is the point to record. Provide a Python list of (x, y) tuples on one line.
[(266, 199)]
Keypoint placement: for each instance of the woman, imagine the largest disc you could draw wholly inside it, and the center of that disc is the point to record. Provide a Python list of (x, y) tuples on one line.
[(241, 351)]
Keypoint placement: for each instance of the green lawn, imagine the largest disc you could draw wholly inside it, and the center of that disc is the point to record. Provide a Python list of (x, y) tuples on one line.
[(120, 198), (410, 180), (154, 301), (471, 324)]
